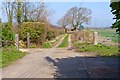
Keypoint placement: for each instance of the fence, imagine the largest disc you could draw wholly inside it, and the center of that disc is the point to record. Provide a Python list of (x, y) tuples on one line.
[(17, 40), (82, 36)]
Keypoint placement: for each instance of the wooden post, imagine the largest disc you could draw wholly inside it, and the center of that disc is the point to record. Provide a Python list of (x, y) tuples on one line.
[(81, 38), (28, 40), (95, 38), (17, 41)]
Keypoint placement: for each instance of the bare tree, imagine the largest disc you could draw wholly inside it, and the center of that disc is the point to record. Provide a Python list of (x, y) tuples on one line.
[(0, 23), (64, 22), (36, 14), (72, 13), (21, 11), (9, 8), (25, 11), (77, 16), (0, 20)]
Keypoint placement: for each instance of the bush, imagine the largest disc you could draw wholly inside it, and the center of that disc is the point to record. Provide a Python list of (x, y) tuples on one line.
[(53, 32), (37, 32), (50, 34), (7, 35)]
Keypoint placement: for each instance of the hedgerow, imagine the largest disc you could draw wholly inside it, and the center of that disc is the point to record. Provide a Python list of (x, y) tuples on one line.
[(6, 35), (39, 32), (36, 30)]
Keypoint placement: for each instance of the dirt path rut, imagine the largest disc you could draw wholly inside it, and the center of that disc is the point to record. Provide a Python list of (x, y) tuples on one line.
[(61, 63)]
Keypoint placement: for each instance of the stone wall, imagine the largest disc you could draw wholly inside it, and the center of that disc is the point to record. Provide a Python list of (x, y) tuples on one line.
[(85, 36)]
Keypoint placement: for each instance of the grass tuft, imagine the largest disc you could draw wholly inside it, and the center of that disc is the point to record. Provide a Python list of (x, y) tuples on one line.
[(64, 42), (46, 45)]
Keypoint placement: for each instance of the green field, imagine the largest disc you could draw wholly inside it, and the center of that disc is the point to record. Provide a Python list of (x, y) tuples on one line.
[(108, 33)]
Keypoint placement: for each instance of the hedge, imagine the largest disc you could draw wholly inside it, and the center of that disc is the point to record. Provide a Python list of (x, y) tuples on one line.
[(6, 35), (39, 32)]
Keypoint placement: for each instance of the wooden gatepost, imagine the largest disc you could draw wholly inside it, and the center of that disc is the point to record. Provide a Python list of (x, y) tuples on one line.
[(28, 40), (95, 38), (17, 41)]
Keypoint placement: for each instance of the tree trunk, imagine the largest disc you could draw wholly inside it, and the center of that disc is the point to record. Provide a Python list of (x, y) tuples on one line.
[(65, 30)]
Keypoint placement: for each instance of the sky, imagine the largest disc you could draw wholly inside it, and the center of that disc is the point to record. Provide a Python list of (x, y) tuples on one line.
[(101, 12)]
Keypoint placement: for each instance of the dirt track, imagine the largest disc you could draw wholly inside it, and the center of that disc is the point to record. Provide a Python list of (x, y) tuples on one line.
[(61, 63)]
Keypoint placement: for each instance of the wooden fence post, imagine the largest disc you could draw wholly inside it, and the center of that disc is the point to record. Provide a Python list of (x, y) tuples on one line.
[(17, 41), (95, 38), (28, 40)]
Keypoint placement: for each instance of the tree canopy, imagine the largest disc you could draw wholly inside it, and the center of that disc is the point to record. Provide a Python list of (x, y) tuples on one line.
[(75, 16), (115, 6)]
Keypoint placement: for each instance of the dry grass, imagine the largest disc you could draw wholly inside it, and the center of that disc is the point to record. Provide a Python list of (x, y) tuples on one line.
[(82, 36)]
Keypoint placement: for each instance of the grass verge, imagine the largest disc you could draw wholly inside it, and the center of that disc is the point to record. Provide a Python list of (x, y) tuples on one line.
[(64, 42), (56, 40), (101, 50), (52, 43), (9, 55), (46, 45)]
